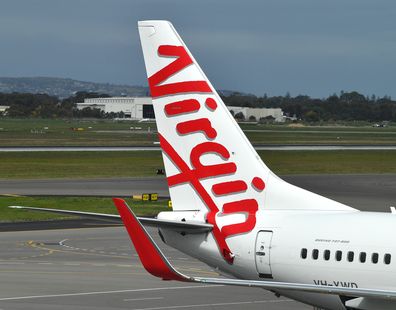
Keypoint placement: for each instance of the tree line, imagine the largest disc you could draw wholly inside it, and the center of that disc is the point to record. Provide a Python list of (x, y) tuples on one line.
[(346, 106), (46, 106)]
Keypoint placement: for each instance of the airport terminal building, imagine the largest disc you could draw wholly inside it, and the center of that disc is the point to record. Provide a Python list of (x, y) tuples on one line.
[(258, 113), (132, 107), (137, 108)]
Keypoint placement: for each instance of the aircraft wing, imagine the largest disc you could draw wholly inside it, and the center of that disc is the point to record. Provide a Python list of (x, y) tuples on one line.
[(179, 226), (156, 263)]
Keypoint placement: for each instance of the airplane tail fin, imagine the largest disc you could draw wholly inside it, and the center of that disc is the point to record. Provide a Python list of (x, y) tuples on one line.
[(207, 156), (209, 162)]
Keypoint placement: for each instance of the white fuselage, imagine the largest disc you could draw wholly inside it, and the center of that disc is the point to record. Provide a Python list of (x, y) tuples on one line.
[(346, 249)]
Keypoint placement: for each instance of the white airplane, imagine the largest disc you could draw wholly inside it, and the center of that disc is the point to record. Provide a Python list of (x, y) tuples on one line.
[(233, 213)]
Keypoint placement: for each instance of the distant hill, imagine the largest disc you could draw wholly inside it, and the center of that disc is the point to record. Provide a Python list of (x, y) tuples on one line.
[(63, 88)]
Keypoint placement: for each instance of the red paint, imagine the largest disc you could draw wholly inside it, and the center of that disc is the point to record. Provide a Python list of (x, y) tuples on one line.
[(248, 206), (152, 260), (211, 104), (197, 125), (182, 107), (199, 171), (258, 184), (215, 170), (182, 61), (231, 187), (193, 178)]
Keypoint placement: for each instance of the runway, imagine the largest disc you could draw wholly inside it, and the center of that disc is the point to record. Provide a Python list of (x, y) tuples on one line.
[(157, 148), (97, 268), (368, 192)]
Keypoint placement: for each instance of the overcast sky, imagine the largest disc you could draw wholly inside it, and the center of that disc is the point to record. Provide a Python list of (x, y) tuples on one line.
[(313, 47)]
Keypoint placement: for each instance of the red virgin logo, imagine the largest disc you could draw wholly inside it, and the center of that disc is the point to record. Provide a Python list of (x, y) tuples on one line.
[(199, 171)]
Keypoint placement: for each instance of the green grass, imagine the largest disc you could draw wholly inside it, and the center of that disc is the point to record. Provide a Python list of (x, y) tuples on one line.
[(330, 162), (36, 165), (32, 132), (33, 165), (317, 137), (124, 164), (52, 132), (89, 204)]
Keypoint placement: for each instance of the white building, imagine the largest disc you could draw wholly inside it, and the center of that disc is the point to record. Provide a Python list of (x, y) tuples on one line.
[(132, 107), (142, 107), (258, 113), (3, 109)]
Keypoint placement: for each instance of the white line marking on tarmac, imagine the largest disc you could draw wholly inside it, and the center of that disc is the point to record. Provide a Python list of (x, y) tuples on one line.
[(62, 242), (110, 292), (218, 304), (11, 263), (44, 263), (136, 299)]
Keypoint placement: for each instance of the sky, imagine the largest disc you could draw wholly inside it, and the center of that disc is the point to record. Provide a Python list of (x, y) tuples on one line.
[(310, 47)]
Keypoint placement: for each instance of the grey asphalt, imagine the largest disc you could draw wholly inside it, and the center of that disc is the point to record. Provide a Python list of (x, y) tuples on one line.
[(372, 192), (97, 268), (86, 187), (157, 148)]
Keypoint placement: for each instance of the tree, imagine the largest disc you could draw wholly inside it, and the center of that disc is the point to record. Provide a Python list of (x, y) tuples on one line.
[(267, 119), (311, 116)]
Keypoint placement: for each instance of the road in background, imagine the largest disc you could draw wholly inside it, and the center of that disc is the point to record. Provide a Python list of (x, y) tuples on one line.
[(157, 148), (365, 192)]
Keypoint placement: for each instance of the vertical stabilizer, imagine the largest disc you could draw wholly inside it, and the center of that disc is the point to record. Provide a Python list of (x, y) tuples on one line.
[(207, 156), (210, 164)]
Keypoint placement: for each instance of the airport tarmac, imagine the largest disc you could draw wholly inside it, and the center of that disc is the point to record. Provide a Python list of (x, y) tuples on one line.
[(368, 192), (291, 147), (97, 268)]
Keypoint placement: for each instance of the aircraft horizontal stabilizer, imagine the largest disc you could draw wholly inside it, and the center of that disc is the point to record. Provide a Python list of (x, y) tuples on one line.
[(156, 263), (178, 226)]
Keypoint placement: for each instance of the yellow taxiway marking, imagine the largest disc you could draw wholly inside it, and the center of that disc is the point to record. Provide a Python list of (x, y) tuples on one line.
[(51, 251)]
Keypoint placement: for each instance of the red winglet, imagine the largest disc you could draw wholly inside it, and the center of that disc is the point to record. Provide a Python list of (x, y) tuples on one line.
[(150, 255)]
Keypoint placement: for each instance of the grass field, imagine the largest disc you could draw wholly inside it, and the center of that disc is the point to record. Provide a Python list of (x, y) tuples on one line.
[(89, 204), (33, 165), (36, 165), (38, 132), (124, 164)]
